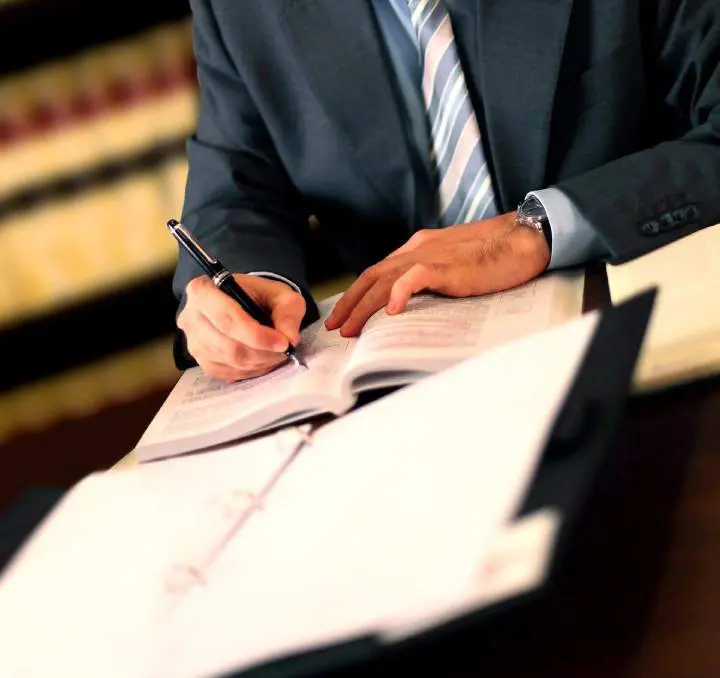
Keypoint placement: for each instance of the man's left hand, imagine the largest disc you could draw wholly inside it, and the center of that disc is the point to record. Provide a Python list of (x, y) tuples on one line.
[(461, 261)]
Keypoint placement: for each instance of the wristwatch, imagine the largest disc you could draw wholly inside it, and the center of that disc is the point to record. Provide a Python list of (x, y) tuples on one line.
[(531, 213)]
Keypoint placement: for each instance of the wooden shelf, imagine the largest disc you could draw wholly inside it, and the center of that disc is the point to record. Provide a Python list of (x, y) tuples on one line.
[(83, 333)]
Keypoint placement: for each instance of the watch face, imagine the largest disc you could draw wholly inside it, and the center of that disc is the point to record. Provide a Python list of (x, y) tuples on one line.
[(533, 208), (532, 213)]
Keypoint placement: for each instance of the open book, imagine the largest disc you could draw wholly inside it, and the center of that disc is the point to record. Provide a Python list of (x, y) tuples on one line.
[(683, 341), (432, 334), (386, 522)]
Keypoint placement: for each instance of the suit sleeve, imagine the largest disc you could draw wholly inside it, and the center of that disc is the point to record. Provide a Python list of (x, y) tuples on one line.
[(651, 198), (239, 200)]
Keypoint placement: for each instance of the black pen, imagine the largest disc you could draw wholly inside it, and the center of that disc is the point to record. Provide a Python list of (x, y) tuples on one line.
[(225, 281)]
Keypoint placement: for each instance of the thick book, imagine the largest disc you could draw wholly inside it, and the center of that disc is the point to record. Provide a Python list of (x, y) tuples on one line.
[(432, 334), (370, 532)]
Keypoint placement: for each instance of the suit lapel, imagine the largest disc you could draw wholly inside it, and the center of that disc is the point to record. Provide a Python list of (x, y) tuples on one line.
[(337, 44), (521, 45)]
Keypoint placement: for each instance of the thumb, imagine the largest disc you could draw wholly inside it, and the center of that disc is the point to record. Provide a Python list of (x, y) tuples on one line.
[(288, 310), (285, 305)]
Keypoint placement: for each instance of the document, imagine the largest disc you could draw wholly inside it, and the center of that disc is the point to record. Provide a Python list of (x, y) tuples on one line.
[(432, 334), (388, 520), (683, 341)]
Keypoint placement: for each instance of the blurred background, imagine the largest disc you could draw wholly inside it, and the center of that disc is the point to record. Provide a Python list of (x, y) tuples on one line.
[(96, 102)]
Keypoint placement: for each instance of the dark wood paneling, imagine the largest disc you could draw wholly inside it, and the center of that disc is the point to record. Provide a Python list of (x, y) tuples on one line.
[(83, 333)]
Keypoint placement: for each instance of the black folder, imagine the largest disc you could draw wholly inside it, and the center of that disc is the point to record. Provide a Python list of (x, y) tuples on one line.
[(577, 451)]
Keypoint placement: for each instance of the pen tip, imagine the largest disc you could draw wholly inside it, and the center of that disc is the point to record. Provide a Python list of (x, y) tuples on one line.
[(299, 362)]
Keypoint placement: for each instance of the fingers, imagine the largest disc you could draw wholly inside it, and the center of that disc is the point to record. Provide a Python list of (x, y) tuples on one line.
[(392, 291), (287, 314), (418, 278), (229, 318), (219, 348), (344, 307), (225, 341), (371, 302), (222, 357), (229, 374), (287, 307)]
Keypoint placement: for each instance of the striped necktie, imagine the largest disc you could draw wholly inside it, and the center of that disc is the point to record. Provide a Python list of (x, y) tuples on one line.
[(465, 186)]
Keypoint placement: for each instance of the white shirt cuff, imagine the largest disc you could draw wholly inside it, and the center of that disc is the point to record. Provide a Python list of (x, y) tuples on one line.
[(276, 276), (574, 241)]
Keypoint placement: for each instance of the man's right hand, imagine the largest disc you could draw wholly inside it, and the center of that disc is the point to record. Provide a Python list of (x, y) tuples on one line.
[(225, 341)]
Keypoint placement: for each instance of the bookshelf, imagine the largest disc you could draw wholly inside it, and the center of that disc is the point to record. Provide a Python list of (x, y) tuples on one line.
[(96, 103), (92, 160)]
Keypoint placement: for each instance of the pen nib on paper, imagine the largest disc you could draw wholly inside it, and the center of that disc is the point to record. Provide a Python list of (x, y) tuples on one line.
[(299, 361)]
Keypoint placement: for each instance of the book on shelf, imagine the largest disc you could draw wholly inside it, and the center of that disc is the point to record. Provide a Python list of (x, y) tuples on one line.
[(373, 531), (88, 243), (96, 160), (102, 106), (430, 335)]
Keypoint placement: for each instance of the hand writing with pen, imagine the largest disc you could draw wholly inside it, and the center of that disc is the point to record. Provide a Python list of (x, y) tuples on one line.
[(461, 261)]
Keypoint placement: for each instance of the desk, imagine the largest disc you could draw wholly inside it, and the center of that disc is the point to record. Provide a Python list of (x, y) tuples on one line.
[(649, 571)]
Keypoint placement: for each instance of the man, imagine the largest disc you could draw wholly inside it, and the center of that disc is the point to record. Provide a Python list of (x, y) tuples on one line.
[(413, 129)]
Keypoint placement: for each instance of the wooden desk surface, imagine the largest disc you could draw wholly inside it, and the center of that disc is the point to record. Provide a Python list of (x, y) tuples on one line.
[(657, 560)]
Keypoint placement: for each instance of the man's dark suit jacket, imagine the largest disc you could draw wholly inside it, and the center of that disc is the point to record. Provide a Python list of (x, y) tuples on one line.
[(616, 102)]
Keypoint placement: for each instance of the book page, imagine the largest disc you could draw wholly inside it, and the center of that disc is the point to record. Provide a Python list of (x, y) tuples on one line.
[(683, 340), (201, 411), (435, 331)]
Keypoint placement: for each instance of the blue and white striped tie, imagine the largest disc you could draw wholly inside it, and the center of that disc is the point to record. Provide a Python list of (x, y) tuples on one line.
[(465, 186)]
